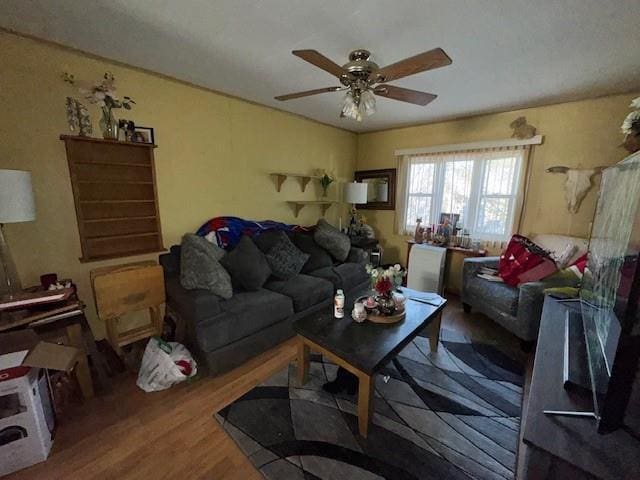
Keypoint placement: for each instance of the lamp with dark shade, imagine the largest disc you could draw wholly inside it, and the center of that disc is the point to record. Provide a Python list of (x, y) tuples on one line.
[(16, 205), (356, 194)]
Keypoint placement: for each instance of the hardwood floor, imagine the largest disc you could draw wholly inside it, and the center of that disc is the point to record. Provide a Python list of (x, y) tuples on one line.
[(130, 434)]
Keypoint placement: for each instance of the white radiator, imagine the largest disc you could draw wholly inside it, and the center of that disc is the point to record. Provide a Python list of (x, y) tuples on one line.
[(426, 268)]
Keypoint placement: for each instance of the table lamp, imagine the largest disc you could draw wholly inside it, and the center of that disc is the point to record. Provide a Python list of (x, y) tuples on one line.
[(355, 194), (16, 205)]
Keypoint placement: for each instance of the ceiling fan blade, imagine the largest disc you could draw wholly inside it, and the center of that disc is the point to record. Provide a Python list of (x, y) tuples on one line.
[(422, 62), (404, 94), (316, 58), (306, 93)]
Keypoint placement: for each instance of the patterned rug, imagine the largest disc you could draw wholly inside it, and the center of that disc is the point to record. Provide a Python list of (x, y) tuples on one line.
[(453, 414)]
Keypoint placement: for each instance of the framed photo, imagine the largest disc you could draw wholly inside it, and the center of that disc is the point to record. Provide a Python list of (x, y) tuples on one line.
[(143, 135), (454, 218)]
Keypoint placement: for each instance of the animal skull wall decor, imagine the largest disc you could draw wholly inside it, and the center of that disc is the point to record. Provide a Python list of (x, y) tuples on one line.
[(577, 185)]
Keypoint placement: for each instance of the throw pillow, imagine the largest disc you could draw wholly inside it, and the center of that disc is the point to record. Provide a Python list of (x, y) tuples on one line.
[(332, 240), (318, 257), (247, 265), (266, 240), (285, 259), (563, 257), (200, 266), (520, 256)]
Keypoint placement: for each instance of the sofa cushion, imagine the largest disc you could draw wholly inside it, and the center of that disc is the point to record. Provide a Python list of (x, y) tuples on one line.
[(318, 257), (191, 305), (247, 265), (285, 259), (556, 244), (328, 273), (305, 291), (200, 267), (357, 255), (242, 315), (502, 296), (332, 240), (345, 276), (351, 274)]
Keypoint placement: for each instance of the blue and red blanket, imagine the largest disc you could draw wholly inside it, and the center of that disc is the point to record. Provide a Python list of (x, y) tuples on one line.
[(226, 231)]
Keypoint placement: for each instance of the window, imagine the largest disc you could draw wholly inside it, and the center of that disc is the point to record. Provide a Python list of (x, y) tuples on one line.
[(477, 190)]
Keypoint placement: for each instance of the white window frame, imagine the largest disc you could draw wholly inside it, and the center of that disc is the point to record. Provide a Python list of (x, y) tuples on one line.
[(475, 195), (513, 197)]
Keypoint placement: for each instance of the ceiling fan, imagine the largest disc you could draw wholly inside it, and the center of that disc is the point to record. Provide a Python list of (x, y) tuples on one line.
[(362, 79)]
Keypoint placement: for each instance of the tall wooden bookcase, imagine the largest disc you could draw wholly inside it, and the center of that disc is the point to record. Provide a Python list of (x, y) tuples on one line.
[(115, 195)]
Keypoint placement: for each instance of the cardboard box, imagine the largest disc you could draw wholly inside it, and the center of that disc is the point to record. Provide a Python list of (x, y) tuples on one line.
[(26, 413)]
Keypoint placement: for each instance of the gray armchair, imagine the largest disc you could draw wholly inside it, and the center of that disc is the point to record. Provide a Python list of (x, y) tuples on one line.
[(517, 309)]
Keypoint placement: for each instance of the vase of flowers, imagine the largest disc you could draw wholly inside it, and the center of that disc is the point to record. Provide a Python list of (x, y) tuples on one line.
[(108, 124), (325, 181), (631, 128), (103, 94), (384, 281)]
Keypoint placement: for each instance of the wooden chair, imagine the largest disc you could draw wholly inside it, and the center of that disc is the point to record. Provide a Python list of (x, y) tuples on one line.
[(123, 289)]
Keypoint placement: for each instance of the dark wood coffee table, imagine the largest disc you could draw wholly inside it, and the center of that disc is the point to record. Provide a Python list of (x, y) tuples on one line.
[(364, 348)]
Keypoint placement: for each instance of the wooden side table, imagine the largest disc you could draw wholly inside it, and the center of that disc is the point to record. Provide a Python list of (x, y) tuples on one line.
[(70, 324)]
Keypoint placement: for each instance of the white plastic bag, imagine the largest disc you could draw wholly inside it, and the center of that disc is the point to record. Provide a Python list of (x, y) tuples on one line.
[(159, 369)]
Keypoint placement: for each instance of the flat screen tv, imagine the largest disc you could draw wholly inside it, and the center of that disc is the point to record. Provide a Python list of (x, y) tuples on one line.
[(609, 298)]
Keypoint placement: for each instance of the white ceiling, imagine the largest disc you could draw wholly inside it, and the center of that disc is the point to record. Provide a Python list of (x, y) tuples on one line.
[(506, 53)]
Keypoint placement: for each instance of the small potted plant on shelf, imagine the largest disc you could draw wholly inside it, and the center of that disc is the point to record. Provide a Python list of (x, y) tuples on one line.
[(631, 128), (326, 179)]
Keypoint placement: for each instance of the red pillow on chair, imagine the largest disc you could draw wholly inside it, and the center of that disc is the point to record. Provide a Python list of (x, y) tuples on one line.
[(524, 261)]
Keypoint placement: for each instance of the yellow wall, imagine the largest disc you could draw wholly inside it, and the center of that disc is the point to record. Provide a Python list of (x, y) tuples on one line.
[(577, 134), (215, 153), (213, 157)]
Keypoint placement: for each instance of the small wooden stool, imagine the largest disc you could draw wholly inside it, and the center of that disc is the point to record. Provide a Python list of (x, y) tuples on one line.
[(122, 289)]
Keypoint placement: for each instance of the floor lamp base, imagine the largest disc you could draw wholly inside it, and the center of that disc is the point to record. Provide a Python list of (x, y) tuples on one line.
[(9, 281)]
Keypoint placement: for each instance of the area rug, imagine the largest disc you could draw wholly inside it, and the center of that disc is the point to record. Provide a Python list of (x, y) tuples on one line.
[(454, 414)]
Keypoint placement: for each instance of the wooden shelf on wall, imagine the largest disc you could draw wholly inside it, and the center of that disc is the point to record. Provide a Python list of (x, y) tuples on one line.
[(300, 204), (103, 140), (115, 195), (304, 179)]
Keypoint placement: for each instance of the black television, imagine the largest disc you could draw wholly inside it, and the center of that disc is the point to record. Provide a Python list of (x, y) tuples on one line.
[(609, 299)]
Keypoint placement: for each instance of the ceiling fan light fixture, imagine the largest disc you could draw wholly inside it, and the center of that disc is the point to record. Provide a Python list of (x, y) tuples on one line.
[(356, 106), (350, 108), (368, 102)]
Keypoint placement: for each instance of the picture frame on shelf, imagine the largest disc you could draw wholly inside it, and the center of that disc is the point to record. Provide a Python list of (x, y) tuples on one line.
[(454, 218), (143, 135)]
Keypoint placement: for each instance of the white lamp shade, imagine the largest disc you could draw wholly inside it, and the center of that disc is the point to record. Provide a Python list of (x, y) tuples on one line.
[(355, 193), (16, 197), (382, 192)]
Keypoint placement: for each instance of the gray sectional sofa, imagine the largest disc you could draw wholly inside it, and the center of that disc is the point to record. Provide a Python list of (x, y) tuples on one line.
[(224, 333)]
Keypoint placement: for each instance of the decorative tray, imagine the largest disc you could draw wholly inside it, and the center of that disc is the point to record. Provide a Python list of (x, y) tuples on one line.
[(395, 318), (373, 314)]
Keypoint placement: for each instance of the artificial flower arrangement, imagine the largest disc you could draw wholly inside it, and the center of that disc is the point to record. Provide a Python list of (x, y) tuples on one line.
[(631, 127), (384, 281), (102, 94)]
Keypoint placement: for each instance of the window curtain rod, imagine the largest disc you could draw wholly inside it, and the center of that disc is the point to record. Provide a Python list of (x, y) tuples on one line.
[(461, 147)]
